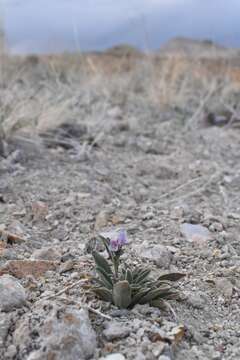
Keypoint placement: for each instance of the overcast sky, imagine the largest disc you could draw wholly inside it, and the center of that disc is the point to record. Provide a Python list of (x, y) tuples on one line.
[(57, 25)]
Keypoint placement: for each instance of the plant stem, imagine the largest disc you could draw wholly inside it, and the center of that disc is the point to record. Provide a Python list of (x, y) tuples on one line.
[(116, 266)]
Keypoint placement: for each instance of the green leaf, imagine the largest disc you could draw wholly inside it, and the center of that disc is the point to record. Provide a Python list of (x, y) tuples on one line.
[(159, 303), (136, 298), (123, 275), (135, 288), (153, 294), (105, 277), (142, 276), (137, 271), (102, 262), (160, 283), (103, 294), (122, 294), (99, 281), (171, 276), (128, 276), (106, 244), (170, 295)]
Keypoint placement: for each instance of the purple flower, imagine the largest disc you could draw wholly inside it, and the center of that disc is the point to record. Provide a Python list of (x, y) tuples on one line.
[(122, 237), (114, 246), (118, 242)]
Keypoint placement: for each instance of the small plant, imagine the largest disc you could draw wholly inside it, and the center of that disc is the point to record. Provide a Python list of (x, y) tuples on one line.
[(126, 287)]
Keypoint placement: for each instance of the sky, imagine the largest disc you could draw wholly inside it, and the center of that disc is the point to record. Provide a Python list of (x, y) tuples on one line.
[(33, 26)]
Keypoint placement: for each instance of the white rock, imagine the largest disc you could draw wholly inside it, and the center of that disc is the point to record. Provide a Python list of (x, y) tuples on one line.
[(68, 335), (12, 294), (195, 233), (159, 254), (115, 330), (115, 356), (164, 357)]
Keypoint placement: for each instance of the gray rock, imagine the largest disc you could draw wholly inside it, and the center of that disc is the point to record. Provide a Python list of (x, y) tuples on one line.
[(9, 254), (115, 330), (164, 357), (159, 254), (195, 233), (68, 335), (4, 327), (225, 287), (115, 356), (12, 294), (46, 253), (11, 352), (36, 355), (119, 313), (196, 300)]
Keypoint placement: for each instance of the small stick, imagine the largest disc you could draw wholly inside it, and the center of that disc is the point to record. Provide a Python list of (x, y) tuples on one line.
[(171, 309), (97, 312), (179, 188), (194, 192), (79, 282)]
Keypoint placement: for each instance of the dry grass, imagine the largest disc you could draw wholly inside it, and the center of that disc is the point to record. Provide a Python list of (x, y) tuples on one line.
[(38, 93)]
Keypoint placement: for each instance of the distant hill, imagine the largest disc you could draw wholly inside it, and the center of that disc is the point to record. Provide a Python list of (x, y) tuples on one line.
[(197, 48)]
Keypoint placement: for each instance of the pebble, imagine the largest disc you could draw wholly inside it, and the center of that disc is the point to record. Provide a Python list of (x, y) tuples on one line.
[(177, 213), (39, 210), (119, 313), (66, 266), (196, 300), (46, 253), (68, 335), (9, 254), (115, 356), (159, 254), (5, 324), (158, 348), (115, 330), (11, 351), (195, 233), (12, 293), (225, 287), (75, 275), (164, 357), (216, 226)]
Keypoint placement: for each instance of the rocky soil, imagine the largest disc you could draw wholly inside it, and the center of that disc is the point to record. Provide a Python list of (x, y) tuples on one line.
[(175, 189)]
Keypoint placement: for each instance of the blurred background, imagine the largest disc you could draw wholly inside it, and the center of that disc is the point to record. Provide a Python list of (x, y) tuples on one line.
[(71, 25)]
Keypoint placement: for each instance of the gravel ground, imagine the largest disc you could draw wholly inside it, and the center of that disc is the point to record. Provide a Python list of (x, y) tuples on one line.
[(144, 171)]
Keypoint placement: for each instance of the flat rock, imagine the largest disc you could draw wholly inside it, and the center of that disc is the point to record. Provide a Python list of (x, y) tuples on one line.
[(164, 357), (46, 253), (12, 294), (115, 356), (115, 330), (159, 254), (23, 268), (67, 334), (195, 233)]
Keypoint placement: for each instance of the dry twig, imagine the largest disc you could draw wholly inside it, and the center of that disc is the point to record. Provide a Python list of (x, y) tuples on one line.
[(79, 282)]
